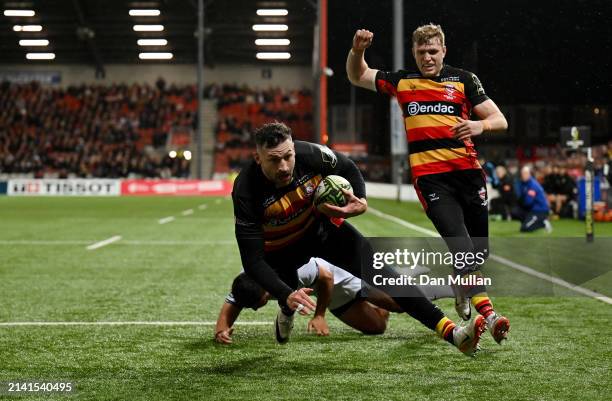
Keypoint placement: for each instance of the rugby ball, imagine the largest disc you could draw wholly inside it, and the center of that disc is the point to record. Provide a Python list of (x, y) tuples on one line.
[(329, 190)]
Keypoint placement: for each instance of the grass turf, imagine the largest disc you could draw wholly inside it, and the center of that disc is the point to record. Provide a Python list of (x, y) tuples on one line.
[(180, 271)]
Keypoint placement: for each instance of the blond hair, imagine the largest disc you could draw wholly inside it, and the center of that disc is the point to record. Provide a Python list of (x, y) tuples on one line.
[(425, 33)]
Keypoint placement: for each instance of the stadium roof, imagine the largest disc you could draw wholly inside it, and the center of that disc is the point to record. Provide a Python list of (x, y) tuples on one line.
[(101, 32)]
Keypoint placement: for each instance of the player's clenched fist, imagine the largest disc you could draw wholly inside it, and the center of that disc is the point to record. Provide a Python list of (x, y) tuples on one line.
[(362, 40)]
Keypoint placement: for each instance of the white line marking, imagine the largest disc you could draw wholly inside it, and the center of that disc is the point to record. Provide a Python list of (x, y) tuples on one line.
[(166, 220), (555, 280), (45, 242), (129, 323), (404, 223), (187, 212), (174, 243), (104, 243), (203, 207), (123, 242), (502, 260)]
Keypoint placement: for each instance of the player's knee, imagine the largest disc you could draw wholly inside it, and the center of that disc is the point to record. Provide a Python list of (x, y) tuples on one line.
[(376, 327)]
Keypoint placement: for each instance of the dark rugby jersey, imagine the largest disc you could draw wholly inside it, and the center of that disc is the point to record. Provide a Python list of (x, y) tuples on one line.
[(269, 219), (430, 107)]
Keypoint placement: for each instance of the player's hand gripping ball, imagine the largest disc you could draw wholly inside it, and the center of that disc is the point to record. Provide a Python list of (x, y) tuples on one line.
[(330, 191)]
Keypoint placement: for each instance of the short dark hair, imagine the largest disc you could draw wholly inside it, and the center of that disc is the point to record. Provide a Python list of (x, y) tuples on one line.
[(247, 293), (271, 134)]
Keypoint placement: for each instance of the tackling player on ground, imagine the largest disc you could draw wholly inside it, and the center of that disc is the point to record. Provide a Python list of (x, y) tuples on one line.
[(335, 289)]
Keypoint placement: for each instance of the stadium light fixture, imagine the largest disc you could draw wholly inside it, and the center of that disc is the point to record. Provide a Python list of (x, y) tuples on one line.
[(272, 12), (19, 13), (40, 56), (270, 27), (144, 13), (172, 154), (273, 56), (148, 28), (152, 42), (272, 42), (187, 155), (156, 56), (27, 28), (33, 42)]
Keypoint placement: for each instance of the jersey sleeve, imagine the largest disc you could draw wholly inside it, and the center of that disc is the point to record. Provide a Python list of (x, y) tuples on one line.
[(327, 162), (308, 274), (386, 82), (249, 235), (229, 299), (474, 90)]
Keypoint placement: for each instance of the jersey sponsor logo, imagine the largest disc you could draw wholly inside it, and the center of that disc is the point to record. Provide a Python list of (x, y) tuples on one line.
[(450, 79), (415, 108), (327, 155)]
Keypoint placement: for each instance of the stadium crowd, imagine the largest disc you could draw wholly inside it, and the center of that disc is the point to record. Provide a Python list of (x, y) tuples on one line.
[(242, 109), (122, 130)]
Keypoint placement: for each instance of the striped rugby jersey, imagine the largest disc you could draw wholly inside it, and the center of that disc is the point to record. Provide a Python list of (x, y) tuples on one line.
[(430, 107), (283, 216)]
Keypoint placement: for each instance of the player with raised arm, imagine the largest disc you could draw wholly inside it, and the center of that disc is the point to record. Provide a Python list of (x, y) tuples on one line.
[(437, 101)]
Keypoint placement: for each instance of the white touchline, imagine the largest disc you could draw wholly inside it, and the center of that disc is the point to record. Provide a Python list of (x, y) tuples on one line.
[(500, 259), (104, 242), (404, 223), (166, 220), (123, 242), (129, 323), (187, 212), (555, 280), (44, 242), (175, 243)]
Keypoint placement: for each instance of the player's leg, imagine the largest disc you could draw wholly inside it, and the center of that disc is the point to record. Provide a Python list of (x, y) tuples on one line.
[(363, 316), (345, 247), (532, 222), (474, 201), (439, 196), (381, 300)]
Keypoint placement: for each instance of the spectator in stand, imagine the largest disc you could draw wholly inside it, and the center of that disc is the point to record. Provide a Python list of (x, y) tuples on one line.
[(532, 209)]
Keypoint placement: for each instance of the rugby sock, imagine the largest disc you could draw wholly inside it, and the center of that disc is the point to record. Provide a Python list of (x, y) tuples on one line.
[(483, 305), (445, 329)]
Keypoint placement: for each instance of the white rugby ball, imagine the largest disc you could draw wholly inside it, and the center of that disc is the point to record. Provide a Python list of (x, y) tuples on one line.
[(329, 190)]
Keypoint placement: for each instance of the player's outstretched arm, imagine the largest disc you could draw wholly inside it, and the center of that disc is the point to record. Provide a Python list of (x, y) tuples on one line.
[(357, 69), (227, 316), (325, 287)]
